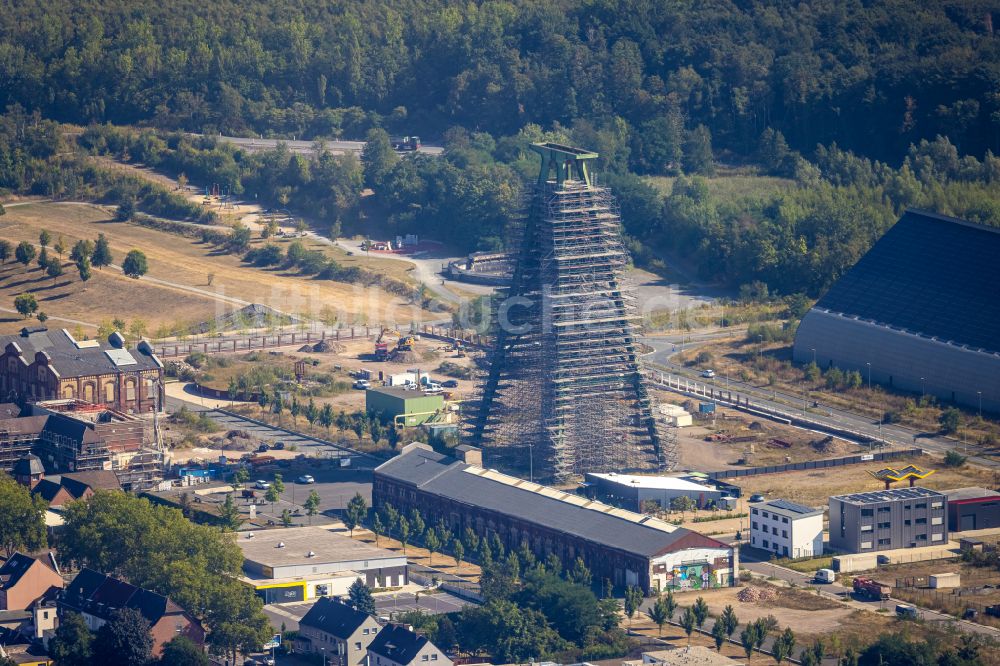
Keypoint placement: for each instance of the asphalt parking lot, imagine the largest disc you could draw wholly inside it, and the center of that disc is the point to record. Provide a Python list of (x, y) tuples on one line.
[(334, 486)]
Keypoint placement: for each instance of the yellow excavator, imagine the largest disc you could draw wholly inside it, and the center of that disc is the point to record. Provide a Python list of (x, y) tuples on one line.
[(403, 343)]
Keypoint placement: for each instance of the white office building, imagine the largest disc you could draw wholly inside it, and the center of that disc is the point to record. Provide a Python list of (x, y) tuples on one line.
[(786, 529)]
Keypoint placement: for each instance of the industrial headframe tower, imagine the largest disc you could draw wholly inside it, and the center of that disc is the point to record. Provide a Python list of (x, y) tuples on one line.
[(563, 393)]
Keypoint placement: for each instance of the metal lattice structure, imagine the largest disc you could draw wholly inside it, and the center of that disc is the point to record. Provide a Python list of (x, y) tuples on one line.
[(563, 393)]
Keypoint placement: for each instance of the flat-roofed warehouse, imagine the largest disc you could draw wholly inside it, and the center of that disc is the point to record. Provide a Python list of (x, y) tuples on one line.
[(921, 308), (301, 563), (625, 547)]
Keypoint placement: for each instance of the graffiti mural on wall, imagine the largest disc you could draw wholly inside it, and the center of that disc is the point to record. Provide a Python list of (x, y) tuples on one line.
[(691, 577)]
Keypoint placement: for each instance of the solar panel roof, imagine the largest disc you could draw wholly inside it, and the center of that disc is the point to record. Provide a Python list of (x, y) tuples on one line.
[(929, 274), (892, 495)]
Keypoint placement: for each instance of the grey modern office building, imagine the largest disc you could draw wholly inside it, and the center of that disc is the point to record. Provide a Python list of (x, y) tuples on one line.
[(918, 312), (888, 519)]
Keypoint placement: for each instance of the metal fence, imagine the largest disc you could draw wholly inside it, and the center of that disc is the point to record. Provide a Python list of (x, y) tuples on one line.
[(815, 464), (260, 341), (956, 602)]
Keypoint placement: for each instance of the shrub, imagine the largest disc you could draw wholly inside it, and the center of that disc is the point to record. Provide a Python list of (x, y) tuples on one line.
[(950, 419), (953, 459)]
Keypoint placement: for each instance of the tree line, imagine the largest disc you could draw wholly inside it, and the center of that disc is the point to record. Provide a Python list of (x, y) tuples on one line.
[(871, 76)]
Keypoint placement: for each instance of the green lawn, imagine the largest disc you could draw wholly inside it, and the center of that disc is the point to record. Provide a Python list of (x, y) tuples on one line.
[(807, 565)]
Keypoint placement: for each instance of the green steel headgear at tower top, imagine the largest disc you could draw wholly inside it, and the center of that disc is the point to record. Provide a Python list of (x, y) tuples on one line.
[(569, 163)]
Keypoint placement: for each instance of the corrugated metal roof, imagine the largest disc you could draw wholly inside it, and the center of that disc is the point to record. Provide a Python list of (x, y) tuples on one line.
[(652, 482)]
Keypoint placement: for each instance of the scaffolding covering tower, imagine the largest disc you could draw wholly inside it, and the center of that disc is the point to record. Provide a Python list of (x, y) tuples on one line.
[(563, 393)]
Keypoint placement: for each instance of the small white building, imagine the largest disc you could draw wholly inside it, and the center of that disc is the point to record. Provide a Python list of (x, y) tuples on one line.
[(786, 529), (675, 415), (633, 491)]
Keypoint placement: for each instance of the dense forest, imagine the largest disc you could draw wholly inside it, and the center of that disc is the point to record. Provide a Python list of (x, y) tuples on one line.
[(858, 110), (872, 76)]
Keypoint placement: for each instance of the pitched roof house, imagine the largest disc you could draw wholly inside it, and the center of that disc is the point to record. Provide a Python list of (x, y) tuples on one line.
[(339, 632), (399, 645), (98, 597), (62, 488), (24, 580)]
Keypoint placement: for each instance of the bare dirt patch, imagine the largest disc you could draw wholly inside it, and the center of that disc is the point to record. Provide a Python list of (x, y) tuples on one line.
[(787, 610), (814, 487)]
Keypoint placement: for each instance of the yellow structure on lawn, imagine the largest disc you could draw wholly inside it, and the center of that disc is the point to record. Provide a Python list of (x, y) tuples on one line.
[(909, 473)]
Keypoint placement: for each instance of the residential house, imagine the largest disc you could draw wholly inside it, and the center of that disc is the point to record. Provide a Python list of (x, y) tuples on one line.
[(63, 488), (29, 470), (338, 632), (399, 645), (25, 579), (98, 597)]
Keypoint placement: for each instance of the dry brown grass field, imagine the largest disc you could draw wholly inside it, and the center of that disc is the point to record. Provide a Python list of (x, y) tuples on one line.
[(182, 266)]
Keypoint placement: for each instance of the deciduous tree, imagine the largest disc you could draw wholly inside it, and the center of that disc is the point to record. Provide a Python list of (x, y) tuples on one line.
[(135, 264), (124, 641), (25, 252), (72, 643), (25, 304)]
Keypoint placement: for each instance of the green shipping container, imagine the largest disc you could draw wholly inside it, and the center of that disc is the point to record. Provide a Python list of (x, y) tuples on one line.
[(392, 402)]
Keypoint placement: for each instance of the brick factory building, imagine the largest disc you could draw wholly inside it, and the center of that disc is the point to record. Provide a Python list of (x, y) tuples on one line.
[(626, 548), (39, 364)]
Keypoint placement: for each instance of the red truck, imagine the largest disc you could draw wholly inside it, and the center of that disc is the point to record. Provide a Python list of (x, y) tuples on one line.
[(866, 587)]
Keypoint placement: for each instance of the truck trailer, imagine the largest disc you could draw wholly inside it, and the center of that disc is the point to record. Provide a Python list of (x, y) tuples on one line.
[(866, 587)]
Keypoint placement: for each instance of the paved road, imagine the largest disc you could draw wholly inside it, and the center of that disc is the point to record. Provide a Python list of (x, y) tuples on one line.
[(310, 147), (427, 270), (893, 434)]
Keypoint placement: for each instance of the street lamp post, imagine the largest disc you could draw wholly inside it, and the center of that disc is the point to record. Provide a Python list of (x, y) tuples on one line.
[(980, 394), (869, 376), (922, 391), (813, 350)]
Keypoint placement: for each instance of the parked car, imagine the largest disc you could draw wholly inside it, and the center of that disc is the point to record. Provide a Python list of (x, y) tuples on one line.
[(449, 383), (306, 478), (262, 485), (262, 448), (362, 384), (708, 374), (970, 614), (756, 498), (278, 445), (906, 612)]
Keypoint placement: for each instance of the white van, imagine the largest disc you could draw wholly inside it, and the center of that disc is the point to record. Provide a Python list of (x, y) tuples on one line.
[(825, 576)]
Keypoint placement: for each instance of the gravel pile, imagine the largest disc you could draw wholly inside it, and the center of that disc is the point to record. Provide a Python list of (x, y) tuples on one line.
[(754, 594)]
